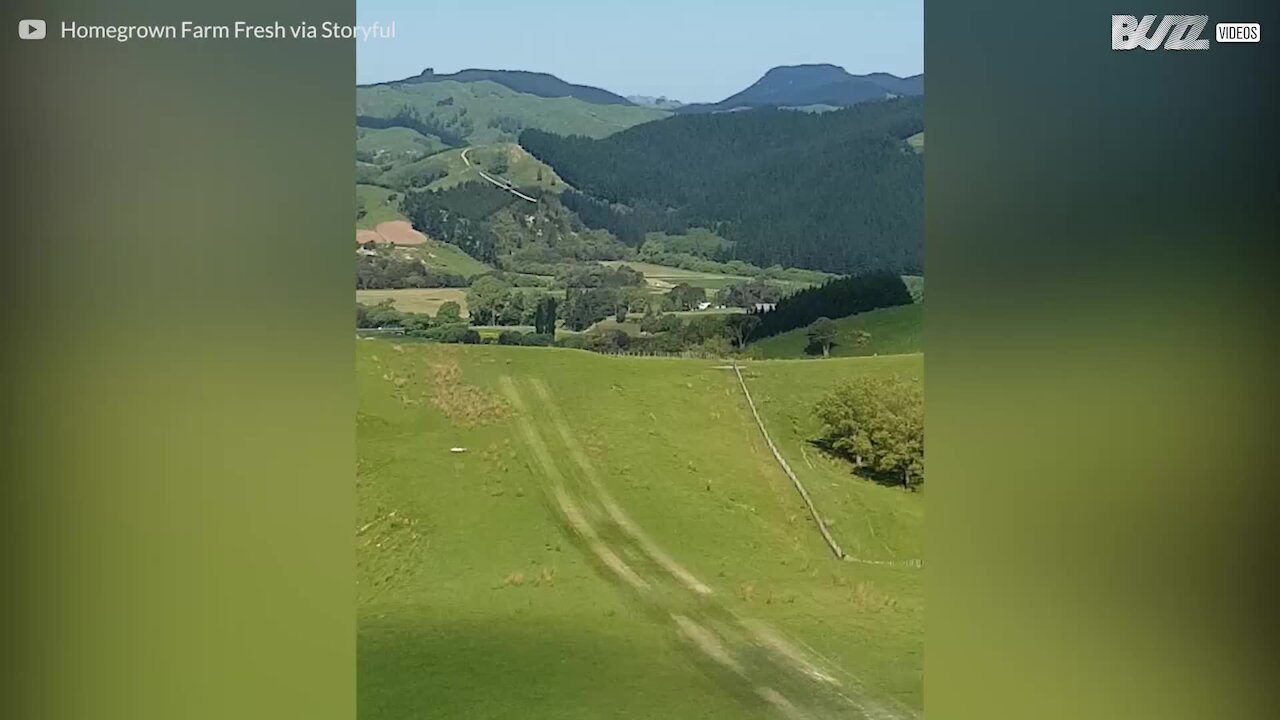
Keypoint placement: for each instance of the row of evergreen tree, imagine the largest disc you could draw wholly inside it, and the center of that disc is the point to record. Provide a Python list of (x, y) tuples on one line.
[(834, 299), (459, 215), (838, 191)]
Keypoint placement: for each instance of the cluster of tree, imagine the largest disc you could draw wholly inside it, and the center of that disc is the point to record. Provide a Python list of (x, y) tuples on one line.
[(671, 333), (409, 117), (698, 242), (494, 226), (458, 215), (708, 335), (696, 263), (749, 293), (878, 423), (584, 307), (419, 177), (591, 275), (367, 174), (614, 340), (533, 339), (628, 223), (833, 191), (447, 326), (685, 297), (517, 279), (473, 200), (835, 298), (385, 271), (507, 123), (491, 301)]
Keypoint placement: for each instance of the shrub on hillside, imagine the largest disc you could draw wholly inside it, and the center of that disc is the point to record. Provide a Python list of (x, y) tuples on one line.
[(534, 339), (384, 314), (878, 423)]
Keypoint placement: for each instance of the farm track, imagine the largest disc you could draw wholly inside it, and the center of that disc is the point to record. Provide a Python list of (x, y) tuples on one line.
[(495, 181), (755, 662)]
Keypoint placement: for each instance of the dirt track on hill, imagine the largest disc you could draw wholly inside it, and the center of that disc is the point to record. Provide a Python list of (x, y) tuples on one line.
[(754, 661)]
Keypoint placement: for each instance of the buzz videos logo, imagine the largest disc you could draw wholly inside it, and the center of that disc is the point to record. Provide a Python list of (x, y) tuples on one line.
[(1176, 32)]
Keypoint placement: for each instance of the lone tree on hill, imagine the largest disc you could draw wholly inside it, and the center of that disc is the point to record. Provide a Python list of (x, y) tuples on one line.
[(450, 312), (822, 333), (879, 424), (687, 297), (740, 328)]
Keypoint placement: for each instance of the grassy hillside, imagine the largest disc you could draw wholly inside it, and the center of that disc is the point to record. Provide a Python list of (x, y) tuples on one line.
[(378, 206), (395, 145), (416, 300), (813, 85), (486, 112), (893, 331), (917, 141), (435, 254), (616, 541), (521, 81), (447, 169)]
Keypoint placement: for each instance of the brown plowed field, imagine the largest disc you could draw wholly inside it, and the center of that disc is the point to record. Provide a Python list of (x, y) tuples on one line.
[(396, 232)]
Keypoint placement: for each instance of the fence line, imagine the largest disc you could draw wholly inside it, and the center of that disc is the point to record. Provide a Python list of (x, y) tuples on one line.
[(808, 501), (686, 354)]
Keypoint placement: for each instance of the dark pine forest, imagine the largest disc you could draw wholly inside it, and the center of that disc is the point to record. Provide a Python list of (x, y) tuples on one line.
[(838, 191)]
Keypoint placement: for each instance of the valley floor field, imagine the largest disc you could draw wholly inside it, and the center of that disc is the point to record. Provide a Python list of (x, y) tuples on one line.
[(663, 277), (615, 540), (417, 300)]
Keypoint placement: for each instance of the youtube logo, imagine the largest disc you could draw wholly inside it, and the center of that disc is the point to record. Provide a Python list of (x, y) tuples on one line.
[(31, 29)]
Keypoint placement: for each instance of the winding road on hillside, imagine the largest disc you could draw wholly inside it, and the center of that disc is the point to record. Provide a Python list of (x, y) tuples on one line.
[(504, 185)]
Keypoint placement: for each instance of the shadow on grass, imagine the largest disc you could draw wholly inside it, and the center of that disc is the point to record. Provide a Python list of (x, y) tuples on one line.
[(815, 349), (416, 666), (887, 479)]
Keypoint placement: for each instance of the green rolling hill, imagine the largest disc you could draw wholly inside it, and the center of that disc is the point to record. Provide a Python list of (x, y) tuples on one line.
[(888, 331), (485, 112), (395, 145), (558, 534), (521, 81)]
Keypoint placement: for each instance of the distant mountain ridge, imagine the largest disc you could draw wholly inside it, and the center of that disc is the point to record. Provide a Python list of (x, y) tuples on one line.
[(804, 85), (522, 81)]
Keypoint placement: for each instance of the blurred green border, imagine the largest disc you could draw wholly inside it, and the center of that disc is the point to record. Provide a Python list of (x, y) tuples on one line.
[(177, 367), (1101, 233), (178, 370)]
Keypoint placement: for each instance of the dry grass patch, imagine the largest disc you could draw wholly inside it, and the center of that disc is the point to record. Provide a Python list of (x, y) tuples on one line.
[(866, 596), (465, 405)]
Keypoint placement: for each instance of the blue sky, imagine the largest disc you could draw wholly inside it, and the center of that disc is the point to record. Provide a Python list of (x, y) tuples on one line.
[(691, 50)]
